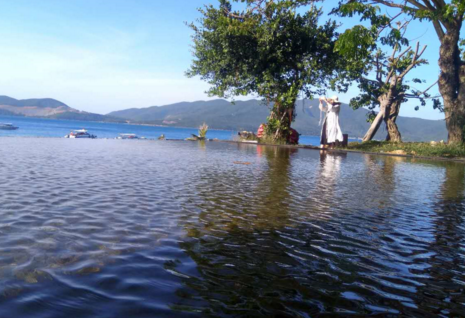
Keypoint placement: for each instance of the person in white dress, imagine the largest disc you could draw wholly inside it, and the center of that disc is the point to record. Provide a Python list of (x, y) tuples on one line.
[(330, 131)]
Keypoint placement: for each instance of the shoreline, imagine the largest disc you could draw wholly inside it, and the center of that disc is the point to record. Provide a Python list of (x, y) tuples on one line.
[(308, 147)]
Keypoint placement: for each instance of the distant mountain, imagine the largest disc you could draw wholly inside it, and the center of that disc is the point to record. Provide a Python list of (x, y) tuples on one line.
[(84, 116), (36, 102), (221, 114), (247, 115), (47, 108)]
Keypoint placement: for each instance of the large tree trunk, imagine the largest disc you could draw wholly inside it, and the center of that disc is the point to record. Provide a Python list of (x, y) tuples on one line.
[(285, 115), (392, 129), (385, 102), (452, 82), (375, 124)]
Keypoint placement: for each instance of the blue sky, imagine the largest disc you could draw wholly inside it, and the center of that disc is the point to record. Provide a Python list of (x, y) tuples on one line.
[(105, 55)]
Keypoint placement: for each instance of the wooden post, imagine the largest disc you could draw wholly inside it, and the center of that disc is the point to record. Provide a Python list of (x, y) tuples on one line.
[(345, 140)]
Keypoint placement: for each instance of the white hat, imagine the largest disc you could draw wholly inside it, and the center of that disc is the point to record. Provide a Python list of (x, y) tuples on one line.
[(335, 98)]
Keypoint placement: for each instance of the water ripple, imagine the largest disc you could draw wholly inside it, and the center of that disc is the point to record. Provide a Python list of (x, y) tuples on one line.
[(101, 228)]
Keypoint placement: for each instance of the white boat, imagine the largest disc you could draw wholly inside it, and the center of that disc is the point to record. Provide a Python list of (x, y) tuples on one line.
[(80, 133), (7, 126), (127, 136)]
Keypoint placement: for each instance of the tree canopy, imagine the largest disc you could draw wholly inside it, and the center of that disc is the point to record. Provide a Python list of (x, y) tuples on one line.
[(268, 48), (380, 58), (447, 18)]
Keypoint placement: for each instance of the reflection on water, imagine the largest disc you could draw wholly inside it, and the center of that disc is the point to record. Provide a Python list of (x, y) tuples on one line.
[(447, 271), (108, 228)]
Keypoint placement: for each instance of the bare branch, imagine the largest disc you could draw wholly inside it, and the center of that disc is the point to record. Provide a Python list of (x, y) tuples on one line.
[(403, 53), (392, 62), (422, 93), (392, 4), (381, 29), (416, 96)]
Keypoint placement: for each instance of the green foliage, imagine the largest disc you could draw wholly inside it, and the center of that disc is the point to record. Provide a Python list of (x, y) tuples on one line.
[(363, 49), (270, 140), (446, 12), (447, 18), (412, 148), (272, 125), (356, 43), (269, 49)]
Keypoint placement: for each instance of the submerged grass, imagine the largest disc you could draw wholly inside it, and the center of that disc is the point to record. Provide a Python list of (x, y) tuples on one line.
[(269, 140), (410, 148)]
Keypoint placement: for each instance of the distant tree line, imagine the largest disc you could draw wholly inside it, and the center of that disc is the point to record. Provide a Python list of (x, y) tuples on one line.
[(280, 50)]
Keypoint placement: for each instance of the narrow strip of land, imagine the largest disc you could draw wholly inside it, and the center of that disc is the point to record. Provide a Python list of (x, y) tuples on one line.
[(428, 151)]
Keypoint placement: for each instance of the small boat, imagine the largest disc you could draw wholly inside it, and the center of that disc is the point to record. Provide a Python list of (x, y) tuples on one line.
[(8, 126), (127, 136), (80, 133)]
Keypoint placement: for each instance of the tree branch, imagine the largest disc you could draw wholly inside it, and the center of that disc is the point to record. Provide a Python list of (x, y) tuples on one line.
[(429, 7), (381, 29), (414, 60), (393, 5), (422, 93), (438, 27), (369, 79), (378, 69), (417, 4), (232, 15), (440, 4), (391, 72), (258, 6)]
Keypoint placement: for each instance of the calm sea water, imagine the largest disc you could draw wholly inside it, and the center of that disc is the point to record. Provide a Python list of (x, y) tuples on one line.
[(37, 127), (119, 228)]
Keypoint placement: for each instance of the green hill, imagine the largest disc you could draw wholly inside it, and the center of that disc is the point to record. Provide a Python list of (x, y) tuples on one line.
[(84, 116), (36, 102), (247, 115), (47, 108)]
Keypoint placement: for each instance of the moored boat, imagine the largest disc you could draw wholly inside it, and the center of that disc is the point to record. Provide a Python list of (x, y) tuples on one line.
[(127, 136), (7, 126), (80, 133)]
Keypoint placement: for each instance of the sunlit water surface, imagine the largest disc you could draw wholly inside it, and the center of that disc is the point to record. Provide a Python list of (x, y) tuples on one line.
[(107, 228)]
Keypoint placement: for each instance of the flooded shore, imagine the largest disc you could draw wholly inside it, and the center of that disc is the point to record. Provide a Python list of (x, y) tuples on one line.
[(107, 228)]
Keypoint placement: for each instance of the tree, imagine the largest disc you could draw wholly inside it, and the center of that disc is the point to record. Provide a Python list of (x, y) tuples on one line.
[(381, 76), (447, 20), (268, 49)]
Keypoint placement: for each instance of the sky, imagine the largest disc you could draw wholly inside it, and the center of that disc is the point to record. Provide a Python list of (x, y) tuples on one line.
[(105, 55)]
